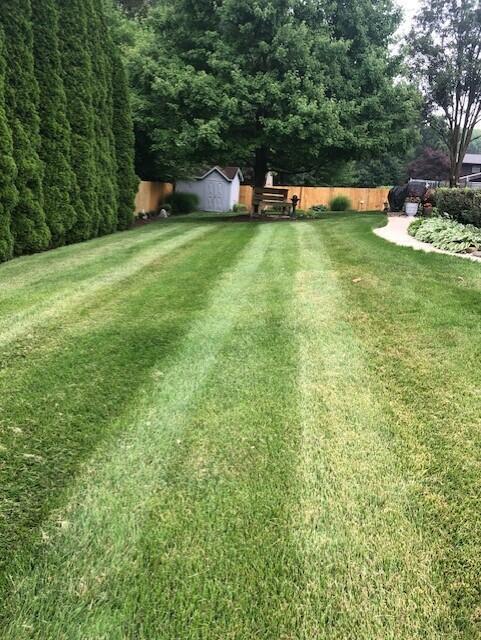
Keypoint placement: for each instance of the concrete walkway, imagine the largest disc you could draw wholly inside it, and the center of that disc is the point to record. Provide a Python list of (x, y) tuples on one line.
[(396, 231)]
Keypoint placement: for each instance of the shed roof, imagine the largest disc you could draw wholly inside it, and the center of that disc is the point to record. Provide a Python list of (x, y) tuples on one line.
[(229, 173)]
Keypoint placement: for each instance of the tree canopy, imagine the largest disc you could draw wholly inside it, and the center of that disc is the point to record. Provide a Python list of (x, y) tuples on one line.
[(430, 164), (290, 85), (446, 58)]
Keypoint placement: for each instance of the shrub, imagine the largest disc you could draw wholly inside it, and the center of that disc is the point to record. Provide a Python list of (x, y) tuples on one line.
[(340, 203), (446, 234), (182, 202), (463, 205), (320, 208), (278, 208), (240, 208), (310, 214)]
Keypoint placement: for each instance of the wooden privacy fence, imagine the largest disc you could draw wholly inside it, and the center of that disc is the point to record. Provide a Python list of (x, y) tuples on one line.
[(361, 199), (152, 194)]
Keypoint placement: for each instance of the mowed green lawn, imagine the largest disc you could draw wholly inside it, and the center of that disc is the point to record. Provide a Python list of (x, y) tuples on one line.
[(235, 431)]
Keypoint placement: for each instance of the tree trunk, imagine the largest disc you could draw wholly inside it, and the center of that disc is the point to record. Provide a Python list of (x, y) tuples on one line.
[(456, 167), (457, 172), (260, 171), (453, 161), (452, 175), (260, 168), (457, 153)]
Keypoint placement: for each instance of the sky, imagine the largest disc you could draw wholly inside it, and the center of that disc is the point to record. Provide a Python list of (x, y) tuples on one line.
[(409, 7)]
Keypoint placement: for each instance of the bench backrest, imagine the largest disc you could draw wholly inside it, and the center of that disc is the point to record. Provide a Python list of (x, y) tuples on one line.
[(270, 195)]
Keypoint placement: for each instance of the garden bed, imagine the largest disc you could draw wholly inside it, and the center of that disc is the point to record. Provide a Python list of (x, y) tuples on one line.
[(396, 231), (447, 235)]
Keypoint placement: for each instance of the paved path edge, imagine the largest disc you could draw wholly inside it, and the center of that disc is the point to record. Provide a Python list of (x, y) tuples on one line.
[(396, 231)]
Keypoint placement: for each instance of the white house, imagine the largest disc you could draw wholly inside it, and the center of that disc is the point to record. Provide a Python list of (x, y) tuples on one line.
[(218, 188)]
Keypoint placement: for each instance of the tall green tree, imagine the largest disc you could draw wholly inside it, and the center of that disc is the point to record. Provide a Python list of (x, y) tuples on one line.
[(101, 54), (77, 77), (446, 59), (288, 85), (55, 148), (127, 181), (8, 192), (29, 227), (134, 7)]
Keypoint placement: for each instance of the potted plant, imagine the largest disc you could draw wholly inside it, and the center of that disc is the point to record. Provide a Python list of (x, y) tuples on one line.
[(411, 206), (427, 210)]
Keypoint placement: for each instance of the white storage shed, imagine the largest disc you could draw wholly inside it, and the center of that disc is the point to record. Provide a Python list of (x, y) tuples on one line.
[(218, 188)]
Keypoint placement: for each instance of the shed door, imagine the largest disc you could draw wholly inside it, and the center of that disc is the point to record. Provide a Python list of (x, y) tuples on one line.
[(217, 196)]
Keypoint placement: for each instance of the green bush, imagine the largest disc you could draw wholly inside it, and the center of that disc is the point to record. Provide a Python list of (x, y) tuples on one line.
[(340, 203), (182, 202), (310, 214), (240, 208), (446, 234), (463, 205), (278, 209), (321, 208)]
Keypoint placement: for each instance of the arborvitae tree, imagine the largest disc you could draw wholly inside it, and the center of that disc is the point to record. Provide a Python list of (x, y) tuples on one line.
[(55, 149), (30, 230), (77, 77), (124, 143), (8, 192), (101, 57)]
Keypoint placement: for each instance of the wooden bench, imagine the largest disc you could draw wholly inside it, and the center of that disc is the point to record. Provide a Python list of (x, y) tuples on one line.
[(271, 197)]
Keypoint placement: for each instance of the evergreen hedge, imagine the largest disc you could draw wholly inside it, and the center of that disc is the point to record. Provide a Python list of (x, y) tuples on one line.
[(55, 148), (66, 133), (105, 159), (8, 193), (78, 82), (127, 181), (30, 230)]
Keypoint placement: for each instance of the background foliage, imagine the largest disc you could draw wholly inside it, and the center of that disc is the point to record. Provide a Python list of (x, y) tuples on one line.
[(301, 88), (445, 58)]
